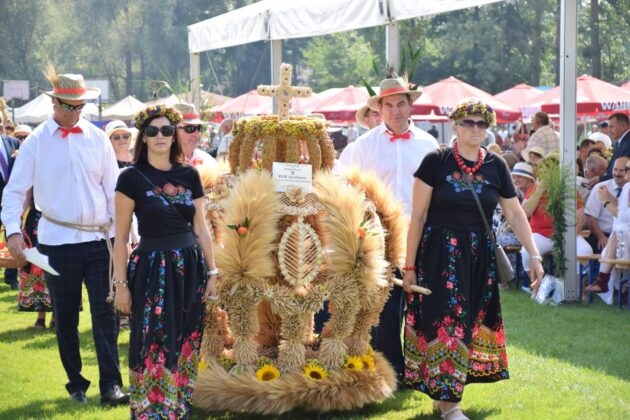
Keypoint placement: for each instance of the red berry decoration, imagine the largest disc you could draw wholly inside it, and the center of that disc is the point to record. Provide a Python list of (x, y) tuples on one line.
[(462, 164)]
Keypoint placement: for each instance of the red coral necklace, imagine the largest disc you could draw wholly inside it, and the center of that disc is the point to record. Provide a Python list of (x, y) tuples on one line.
[(462, 164)]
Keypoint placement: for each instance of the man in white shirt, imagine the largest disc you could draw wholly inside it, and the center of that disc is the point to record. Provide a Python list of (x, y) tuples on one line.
[(189, 135), (394, 151), (600, 220), (71, 167), (225, 130)]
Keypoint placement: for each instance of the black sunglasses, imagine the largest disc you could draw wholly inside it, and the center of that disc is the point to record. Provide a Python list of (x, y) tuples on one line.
[(119, 137), (70, 108), (20, 137), (166, 130), (470, 124), (192, 128)]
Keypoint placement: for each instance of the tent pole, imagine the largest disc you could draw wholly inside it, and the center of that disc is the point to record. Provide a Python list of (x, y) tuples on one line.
[(568, 129), (195, 73), (276, 60), (392, 42)]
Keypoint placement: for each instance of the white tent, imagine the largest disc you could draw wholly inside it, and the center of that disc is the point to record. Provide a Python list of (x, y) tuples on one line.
[(123, 109), (37, 110)]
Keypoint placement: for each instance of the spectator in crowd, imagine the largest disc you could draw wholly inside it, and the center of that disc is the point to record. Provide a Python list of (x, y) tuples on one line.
[(368, 118), (619, 126), (533, 154), (519, 140), (7, 158), (459, 326), (188, 135), (9, 128), (594, 129), (583, 150), (226, 138), (602, 142), (22, 131), (604, 128), (594, 167), (72, 169), (510, 158), (121, 138), (394, 150), (541, 222), (433, 131), (599, 219), (544, 136), (168, 266)]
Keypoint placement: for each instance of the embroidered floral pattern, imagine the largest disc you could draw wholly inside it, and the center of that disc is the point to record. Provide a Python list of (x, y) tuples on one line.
[(460, 185), (33, 295), (174, 194), (455, 353)]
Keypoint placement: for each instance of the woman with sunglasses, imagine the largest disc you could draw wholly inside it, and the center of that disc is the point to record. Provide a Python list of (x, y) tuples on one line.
[(167, 278), (455, 336), (121, 138), (189, 136)]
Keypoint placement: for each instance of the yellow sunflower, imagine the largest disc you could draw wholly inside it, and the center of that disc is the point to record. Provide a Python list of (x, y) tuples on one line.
[(315, 372), (267, 373), (368, 362), (354, 363), (202, 366), (370, 350)]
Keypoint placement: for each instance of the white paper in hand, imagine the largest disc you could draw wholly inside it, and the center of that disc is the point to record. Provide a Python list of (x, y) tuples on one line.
[(33, 256)]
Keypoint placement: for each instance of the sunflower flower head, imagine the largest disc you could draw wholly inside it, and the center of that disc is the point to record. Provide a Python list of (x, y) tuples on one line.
[(202, 365), (354, 363), (368, 362), (315, 371), (267, 373)]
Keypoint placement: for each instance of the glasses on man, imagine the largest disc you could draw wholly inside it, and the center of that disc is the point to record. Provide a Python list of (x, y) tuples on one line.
[(470, 124), (21, 137), (70, 108), (119, 137), (191, 128), (166, 130)]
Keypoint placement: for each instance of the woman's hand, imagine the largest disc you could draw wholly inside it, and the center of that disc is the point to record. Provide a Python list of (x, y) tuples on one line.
[(536, 274), (211, 287), (123, 299), (408, 280)]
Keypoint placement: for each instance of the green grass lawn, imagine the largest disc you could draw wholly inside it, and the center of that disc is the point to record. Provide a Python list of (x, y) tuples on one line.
[(567, 362)]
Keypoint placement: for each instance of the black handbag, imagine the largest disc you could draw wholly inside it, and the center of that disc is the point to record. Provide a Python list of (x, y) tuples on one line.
[(505, 272)]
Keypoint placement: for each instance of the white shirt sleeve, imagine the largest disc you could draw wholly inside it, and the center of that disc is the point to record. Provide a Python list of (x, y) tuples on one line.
[(14, 193), (110, 176), (593, 204)]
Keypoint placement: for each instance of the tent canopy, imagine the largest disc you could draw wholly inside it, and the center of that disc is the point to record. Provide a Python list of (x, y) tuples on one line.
[(518, 96), (124, 109), (277, 19)]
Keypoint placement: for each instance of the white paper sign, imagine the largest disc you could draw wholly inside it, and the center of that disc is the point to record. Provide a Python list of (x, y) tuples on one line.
[(287, 176), (33, 256)]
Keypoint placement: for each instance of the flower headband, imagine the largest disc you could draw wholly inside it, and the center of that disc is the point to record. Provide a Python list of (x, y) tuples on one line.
[(173, 115), (474, 107)]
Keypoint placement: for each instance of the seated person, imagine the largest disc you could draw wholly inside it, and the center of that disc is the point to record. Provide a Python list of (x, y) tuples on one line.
[(533, 154), (523, 177)]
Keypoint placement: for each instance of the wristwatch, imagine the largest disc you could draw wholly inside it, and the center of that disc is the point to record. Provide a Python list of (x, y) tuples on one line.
[(607, 202)]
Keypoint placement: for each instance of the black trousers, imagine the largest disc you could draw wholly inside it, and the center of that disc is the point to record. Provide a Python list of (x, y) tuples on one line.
[(386, 336), (76, 263)]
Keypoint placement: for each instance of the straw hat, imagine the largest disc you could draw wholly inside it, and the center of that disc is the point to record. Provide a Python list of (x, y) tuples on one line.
[(117, 125), (22, 129), (391, 87), (189, 113), (361, 116), (69, 86), (524, 169), (535, 149), (601, 137)]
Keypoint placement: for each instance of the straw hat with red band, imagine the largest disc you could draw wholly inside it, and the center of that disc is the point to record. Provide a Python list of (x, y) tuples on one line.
[(391, 87), (69, 86), (189, 114)]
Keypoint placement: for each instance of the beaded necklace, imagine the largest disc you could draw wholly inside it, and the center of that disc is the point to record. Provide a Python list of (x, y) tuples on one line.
[(462, 164)]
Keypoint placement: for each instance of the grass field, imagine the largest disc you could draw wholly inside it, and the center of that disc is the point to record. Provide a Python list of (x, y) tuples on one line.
[(567, 362)]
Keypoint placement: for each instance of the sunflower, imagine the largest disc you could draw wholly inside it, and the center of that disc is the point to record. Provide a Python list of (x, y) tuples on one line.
[(267, 373), (202, 366), (370, 350), (368, 362), (354, 363), (315, 371)]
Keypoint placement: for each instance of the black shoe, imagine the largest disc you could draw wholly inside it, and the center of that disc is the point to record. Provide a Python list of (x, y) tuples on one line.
[(115, 396), (79, 396)]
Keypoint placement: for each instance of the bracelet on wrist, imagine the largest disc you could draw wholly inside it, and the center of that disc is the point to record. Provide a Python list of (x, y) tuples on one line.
[(536, 257), (213, 272), (409, 268), (123, 282)]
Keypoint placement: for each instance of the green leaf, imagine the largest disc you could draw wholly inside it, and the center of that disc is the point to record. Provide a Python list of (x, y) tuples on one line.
[(246, 223)]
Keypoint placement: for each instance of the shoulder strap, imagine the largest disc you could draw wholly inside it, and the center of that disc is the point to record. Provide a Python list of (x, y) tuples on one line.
[(466, 177), (165, 199)]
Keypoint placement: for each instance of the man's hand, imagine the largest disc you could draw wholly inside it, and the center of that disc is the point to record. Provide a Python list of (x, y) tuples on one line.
[(16, 245), (593, 181), (602, 241)]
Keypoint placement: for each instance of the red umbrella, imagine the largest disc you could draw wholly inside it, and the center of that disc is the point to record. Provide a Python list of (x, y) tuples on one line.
[(518, 96), (248, 103), (594, 97), (342, 104), (626, 86), (442, 96)]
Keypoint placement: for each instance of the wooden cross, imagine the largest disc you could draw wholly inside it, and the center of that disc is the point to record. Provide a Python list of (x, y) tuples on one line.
[(284, 92)]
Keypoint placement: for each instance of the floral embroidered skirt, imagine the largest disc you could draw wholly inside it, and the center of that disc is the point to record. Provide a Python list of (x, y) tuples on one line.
[(33, 294), (167, 289), (454, 336)]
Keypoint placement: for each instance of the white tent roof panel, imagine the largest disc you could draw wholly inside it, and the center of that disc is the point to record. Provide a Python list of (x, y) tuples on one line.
[(405, 9)]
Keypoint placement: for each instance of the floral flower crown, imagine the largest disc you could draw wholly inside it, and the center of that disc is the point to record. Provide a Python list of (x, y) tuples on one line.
[(173, 115), (474, 107)]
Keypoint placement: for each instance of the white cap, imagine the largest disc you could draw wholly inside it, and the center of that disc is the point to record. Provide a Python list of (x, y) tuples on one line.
[(598, 136)]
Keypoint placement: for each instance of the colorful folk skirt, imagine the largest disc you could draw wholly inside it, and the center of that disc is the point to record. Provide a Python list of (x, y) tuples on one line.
[(167, 290), (454, 336), (33, 294)]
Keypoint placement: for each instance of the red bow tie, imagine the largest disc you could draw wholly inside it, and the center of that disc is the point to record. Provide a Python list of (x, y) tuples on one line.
[(66, 131), (393, 137)]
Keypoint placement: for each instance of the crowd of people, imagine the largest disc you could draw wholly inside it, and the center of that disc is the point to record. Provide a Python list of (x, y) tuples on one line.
[(121, 211)]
